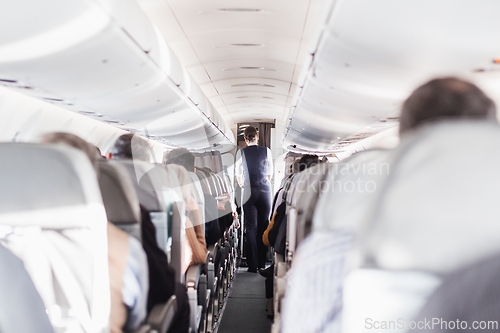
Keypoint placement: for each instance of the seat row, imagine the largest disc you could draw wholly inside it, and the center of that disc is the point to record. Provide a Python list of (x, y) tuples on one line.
[(55, 215), (394, 238)]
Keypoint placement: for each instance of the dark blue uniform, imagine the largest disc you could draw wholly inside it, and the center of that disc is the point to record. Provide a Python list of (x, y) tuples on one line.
[(256, 203)]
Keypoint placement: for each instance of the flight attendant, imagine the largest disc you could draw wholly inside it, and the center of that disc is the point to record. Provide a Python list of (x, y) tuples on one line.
[(254, 168)]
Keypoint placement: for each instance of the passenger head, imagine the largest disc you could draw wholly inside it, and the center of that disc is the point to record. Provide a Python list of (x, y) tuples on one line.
[(180, 156), (130, 146), (251, 134), (307, 161), (445, 98), (73, 141)]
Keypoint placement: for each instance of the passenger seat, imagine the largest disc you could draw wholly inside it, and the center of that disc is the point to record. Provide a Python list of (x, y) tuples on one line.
[(53, 218), (123, 210), (19, 299)]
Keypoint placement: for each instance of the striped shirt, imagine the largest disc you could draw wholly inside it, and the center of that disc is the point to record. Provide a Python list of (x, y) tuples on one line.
[(313, 299)]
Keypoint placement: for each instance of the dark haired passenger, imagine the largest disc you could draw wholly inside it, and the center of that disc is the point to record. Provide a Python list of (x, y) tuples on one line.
[(315, 302), (254, 169), (445, 99)]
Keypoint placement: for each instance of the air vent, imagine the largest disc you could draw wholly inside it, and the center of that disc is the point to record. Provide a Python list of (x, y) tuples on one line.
[(247, 45), (265, 97), (249, 67), (239, 45), (8, 81), (53, 99), (241, 10), (252, 84)]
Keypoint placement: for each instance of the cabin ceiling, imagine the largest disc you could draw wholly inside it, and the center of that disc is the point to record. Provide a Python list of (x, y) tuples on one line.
[(370, 55), (246, 56)]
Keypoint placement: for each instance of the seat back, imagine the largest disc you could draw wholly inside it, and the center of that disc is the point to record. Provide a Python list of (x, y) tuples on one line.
[(380, 295), (437, 209), (52, 217), (199, 196), (210, 180), (153, 186), (120, 198), (307, 201), (19, 298), (346, 198), (469, 295), (435, 193), (205, 186), (349, 190), (139, 173)]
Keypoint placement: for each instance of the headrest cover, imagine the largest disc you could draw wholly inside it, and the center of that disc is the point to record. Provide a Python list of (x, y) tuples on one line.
[(118, 194), (349, 190), (140, 174), (46, 180), (35, 176), (439, 207)]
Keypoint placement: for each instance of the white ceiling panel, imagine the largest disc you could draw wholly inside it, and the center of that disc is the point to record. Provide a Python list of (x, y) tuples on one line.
[(276, 16), (372, 54), (225, 43), (247, 67)]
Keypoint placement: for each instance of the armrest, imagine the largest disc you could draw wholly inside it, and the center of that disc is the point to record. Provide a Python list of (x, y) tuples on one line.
[(208, 260), (213, 249), (161, 317), (193, 276)]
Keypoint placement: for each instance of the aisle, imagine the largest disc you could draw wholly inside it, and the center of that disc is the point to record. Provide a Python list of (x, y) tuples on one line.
[(246, 306)]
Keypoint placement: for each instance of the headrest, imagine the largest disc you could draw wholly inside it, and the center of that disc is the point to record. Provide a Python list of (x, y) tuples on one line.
[(438, 209), (140, 173), (349, 190), (55, 183), (198, 191), (54, 188), (118, 194), (204, 182)]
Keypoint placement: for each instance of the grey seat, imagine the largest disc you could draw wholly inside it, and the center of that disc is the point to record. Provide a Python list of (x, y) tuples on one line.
[(434, 193), (123, 210), (200, 199), (149, 188), (339, 213), (470, 295), (438, 210), (120, 198), (146, 189), (19, 299), (53, 219)]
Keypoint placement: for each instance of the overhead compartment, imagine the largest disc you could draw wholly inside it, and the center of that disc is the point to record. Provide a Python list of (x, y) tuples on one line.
[(368, 56), (104, 59)]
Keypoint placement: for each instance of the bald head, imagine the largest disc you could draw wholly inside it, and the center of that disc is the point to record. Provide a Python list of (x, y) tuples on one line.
[(445, 98)]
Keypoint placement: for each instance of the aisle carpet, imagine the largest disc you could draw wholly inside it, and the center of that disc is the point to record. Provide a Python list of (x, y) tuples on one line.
[(246, 307)]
